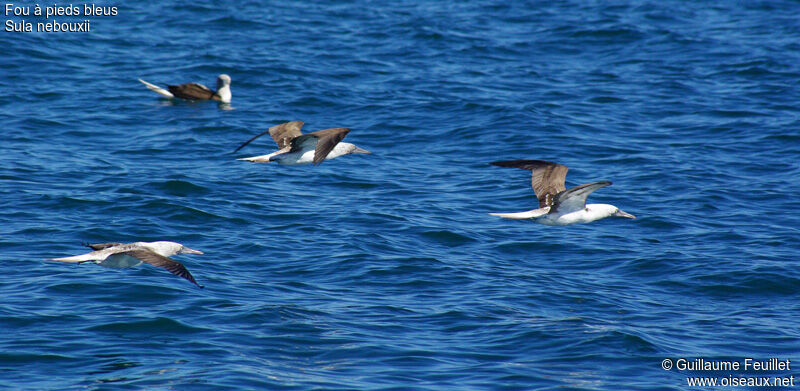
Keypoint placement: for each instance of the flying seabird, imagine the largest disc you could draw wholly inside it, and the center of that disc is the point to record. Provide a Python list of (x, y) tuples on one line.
[(298, 148), (196, 91), (558, 206), (120, 255)]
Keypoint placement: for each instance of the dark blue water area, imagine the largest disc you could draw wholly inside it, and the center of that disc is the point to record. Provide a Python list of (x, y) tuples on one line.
[(385, 271)]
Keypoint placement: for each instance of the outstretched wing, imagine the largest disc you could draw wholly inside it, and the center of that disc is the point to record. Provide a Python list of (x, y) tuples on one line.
[(101, 246), (547, 178), (161, 261), (575, 198), (326, 141), (192, 91), (283, 134)]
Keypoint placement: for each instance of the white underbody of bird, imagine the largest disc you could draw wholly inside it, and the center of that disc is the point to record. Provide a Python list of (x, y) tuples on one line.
[(557, 205), (305, 155), (298, 148), (123, 255)]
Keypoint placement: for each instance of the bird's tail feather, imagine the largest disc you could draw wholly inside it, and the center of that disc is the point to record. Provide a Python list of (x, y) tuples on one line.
[(157, 89), (74, 259), (257, 159), (531, 214)]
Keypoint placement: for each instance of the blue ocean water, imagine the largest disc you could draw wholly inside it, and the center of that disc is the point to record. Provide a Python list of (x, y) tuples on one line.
[(385, 271)]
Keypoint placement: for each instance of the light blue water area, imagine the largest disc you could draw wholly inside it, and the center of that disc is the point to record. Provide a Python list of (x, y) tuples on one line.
[(385, 271)]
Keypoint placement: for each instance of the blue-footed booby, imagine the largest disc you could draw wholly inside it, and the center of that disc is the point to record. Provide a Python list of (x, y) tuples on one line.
[(298, 148), (558, 206), (196, 91), (118, 255)]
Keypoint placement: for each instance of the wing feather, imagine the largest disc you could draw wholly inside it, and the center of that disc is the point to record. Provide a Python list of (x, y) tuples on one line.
[(161, 261), (101, 246), (283, 134), (547, 178), (575, 198), (191, 91), (326, 141)]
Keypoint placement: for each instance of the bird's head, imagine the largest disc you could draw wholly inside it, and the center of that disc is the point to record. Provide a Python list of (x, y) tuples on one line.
[(355, 149), (621, 213), (600, 211), (187, 250), (223, 80), (169, 249)]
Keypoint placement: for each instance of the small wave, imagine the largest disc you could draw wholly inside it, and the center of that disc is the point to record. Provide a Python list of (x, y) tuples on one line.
[(178, 188), (161, 325)]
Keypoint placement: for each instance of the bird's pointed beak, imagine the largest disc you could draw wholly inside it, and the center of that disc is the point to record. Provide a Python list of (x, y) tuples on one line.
[(361, 150), (620, 213), (187, 250)]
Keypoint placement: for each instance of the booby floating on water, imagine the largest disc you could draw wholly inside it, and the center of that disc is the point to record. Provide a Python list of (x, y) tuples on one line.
[(558, 206), (196, 91), (298, 148), (118, 255)]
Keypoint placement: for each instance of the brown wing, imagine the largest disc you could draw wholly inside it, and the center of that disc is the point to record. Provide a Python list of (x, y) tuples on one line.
[(547, 178), (283, 134), (101, 246), (163, 262), (192, 91), (326, 141)]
